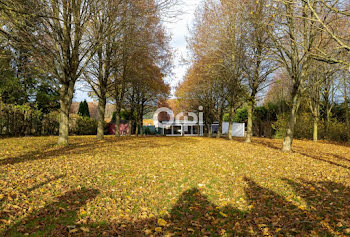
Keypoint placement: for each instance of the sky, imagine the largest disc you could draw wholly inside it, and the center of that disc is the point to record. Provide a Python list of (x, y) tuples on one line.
[(179, 31)]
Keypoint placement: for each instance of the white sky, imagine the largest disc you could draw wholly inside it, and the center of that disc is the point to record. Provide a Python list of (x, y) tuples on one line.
[(179, 31)]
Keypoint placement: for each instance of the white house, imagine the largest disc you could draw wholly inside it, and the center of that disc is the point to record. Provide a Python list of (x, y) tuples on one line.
[(182, 128)]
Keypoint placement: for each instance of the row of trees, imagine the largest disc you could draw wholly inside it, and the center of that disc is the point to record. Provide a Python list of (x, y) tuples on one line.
[(240, 49), (119, 47)]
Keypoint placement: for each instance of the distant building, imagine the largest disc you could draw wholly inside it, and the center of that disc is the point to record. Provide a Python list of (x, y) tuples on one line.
[(93, 109)]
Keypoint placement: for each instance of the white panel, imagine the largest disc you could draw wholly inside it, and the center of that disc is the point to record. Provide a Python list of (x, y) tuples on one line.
[(238, 129), (225, 126)]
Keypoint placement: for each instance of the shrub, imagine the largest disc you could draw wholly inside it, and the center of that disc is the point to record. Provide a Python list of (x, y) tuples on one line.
[(337, 132), (241, 115), (84, 126), (280, 125), (26, 120), (303, 127)]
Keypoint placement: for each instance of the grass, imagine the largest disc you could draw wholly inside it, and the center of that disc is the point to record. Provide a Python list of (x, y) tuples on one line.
[(173, 186)]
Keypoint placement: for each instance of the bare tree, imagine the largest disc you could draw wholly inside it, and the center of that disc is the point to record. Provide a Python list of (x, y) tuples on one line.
[(293, 37), (258, 66), (59, 44), (105, 27), (333, 18)]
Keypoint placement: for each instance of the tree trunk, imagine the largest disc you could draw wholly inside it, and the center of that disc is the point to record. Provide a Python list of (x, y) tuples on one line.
[(346, 106), (315, 129), (250, 121), (209, 130), (230, 130), (137, 126), (130, 122), (66, 96), (101, 117), (232, 111), (288, 139), (117, 120), (347, 119), (326, 127), (218, 135), (130, 127), (141, 119)]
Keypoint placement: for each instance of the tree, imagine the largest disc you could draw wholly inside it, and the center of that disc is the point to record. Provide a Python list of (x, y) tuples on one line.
[(58, 43), (333, 19), (319, 82), (293, 38), (258, 65), (105, 27), (84, 109), (142, 62)]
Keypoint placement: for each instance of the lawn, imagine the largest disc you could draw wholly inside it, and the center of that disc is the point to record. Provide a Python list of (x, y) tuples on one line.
[(173, 186)]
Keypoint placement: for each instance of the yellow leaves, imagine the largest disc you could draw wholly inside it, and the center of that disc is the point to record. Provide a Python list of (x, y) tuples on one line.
[(223, 214), (158, 229), (162, 222), (144, 185), (83, 212), (85, 229), (73, 231)]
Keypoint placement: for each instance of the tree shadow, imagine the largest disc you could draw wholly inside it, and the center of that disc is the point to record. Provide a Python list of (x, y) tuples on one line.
[(56, 219), (267, 143), (339, 157), (328, 202), (328, 157), (46, 153), (268, 214), (51, 151), (319, 158), (44, 183)]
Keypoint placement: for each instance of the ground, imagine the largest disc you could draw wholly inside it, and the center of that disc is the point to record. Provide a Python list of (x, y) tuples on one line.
[(173, 186)]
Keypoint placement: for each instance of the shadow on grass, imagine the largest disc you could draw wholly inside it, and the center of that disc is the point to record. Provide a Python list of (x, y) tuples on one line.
[(44, 183), (57, 218), (329, 157), (269, 214), (51, 151)]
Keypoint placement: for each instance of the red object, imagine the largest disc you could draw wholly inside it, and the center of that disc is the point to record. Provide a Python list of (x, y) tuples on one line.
[(123, 129)]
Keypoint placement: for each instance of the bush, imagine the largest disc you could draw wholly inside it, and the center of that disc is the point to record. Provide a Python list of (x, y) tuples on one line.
[(280, 125), (241, 115), (84, 126), (26, 120), (304, 128), (337, 132)]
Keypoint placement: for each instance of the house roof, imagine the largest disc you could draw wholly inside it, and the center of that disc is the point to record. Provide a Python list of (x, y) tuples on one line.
[(93, 109)]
